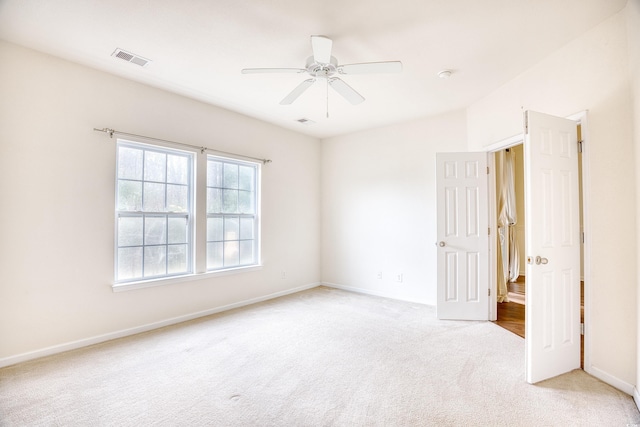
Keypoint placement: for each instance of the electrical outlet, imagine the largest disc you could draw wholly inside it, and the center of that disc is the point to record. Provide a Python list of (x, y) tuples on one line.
[(399, 278), (379, 276)]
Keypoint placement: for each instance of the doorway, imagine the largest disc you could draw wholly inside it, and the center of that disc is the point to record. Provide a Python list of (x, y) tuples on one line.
[(510, 239), (509, 279)]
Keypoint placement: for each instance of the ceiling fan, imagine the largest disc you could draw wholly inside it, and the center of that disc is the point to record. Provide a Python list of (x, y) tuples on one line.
[(324, 66)]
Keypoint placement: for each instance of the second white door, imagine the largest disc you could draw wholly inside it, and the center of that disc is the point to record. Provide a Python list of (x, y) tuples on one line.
[(552, 327)]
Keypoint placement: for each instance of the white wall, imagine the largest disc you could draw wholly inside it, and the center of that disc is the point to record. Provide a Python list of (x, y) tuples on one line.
[(378, 206), (590, 73), (633, 31), (57, 215)]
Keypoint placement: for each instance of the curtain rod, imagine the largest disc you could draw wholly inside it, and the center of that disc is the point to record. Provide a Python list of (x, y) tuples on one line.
[(202, 149)]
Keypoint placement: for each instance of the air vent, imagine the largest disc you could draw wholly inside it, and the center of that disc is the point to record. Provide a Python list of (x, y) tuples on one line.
[(130, 57), (305, 121)]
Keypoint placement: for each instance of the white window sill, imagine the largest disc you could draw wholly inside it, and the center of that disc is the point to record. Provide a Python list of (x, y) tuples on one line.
[(140, 284)]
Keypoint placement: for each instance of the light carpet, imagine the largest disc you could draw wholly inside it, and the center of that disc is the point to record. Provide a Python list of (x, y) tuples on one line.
[(322, 357)]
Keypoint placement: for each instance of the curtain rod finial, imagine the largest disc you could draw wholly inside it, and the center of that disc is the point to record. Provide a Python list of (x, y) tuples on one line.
[(106, 130)]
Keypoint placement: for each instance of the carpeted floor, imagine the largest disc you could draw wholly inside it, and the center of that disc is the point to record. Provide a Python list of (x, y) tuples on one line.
[(322, 357)]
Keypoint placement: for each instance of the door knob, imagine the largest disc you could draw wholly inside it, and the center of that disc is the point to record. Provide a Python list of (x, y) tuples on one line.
[(441, 244), (540, 260)]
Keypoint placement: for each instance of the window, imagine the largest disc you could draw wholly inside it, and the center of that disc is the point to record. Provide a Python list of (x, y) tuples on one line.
[(153, 212), (157, 200), (231, 213)]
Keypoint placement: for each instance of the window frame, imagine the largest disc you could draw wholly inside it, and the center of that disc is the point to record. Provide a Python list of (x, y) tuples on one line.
[(145, 214), (255, 216), (197, 257)]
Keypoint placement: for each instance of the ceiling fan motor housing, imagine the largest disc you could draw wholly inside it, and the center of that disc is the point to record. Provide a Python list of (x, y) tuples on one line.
[(318, 69)]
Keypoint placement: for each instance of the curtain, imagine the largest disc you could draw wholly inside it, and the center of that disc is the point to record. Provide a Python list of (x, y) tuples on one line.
[(508, 256)]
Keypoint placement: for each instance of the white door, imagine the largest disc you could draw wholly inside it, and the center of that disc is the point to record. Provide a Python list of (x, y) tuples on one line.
[(552, 246), (463, 243)]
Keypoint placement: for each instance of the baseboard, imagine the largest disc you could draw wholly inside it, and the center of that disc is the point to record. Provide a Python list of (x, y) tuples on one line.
[(636, 397), (48, 351), (613, 381), (373, 292)]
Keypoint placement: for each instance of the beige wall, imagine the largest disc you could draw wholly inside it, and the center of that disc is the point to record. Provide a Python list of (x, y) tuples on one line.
[(57, 215), (590, 73)]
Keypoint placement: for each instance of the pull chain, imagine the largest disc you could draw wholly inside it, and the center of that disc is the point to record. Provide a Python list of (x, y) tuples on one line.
[(327, 97)]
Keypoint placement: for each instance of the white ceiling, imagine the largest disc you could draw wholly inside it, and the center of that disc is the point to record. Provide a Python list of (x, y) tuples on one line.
[(198, 48)]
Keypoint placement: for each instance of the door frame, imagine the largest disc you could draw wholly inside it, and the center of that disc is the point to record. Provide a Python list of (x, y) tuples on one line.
[(581, 119)]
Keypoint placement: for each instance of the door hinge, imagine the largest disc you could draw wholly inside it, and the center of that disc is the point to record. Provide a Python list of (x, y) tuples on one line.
[(580, 148), (581, 328), (582, 237), (489, 291), (487, 170), (489, 231), (526, 123)]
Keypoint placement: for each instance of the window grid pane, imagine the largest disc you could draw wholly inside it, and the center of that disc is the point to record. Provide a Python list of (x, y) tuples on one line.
[(231, 214), (154, 220)]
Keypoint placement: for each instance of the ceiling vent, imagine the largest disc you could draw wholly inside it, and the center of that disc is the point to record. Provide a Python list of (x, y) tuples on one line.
[(130, 57), (305, 121)]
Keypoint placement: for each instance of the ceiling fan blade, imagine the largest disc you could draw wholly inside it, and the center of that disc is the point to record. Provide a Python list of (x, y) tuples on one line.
[(272, 70), (371, 67), (321, 47), (297, 92), (346, 91)]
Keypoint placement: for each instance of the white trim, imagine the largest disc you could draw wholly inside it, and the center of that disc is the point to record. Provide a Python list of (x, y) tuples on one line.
[(73, 345), (613, 381), (141, 284), (493, 227), (373, 292), (636, 397), (505, 143)]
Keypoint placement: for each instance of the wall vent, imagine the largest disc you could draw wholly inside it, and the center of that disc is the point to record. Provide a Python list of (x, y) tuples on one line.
[(130, 57)]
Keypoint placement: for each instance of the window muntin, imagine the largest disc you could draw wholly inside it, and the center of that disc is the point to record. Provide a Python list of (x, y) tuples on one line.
[(153, 212), (232, 220)]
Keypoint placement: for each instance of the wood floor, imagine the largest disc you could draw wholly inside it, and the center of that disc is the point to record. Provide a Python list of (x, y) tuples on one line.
[(511, 315)]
